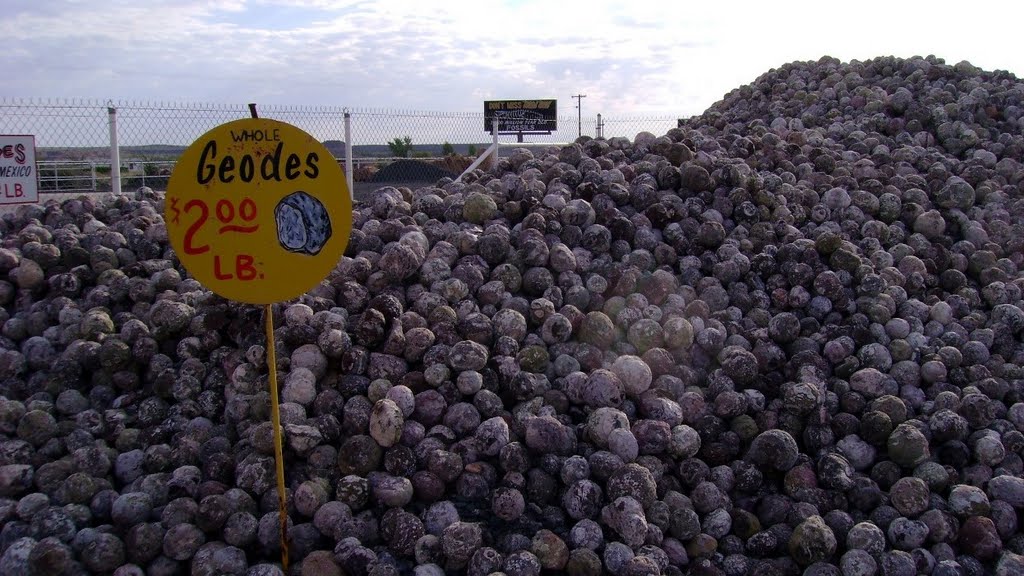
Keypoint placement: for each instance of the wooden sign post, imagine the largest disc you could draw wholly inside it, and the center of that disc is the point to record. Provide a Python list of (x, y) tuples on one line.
[(258, 211)]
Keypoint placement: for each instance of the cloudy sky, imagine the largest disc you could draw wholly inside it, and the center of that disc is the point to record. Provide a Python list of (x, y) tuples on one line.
[(628, 56)]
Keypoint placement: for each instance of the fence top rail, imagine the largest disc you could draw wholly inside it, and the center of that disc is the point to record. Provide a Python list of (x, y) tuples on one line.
[(55, 102), (58, 103)]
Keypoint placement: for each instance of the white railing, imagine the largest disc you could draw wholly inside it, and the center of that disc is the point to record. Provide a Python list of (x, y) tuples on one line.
[(72, 176), (67, 176)]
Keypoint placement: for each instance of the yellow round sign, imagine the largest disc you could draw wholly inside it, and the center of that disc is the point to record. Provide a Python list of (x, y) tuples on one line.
[(258, 211)]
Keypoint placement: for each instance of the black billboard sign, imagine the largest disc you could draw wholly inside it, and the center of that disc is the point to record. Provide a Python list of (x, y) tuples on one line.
[(521, 116)]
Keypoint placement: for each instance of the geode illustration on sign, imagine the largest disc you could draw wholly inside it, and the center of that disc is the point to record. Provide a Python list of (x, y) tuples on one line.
[(303, 224)]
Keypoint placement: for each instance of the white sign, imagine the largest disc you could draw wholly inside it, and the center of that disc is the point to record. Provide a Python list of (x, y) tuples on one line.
[(18, 179)]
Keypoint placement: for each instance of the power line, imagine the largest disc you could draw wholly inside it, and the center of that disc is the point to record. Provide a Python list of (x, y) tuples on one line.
[(579, 116)]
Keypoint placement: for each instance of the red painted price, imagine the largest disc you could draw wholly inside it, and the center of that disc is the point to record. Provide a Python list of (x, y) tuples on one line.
[(238, 218), (204, 213), (225, 211)]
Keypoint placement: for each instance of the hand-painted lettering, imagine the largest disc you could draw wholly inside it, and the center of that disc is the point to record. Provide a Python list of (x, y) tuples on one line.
[(14, 190), (228, 167), (16, 151), (244, 270), (313, 170), (291, 167), (205, 170), (270, 166), (256, 135)]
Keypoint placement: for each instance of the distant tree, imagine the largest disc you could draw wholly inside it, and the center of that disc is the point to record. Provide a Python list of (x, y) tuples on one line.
[(421, 154), (401, 147), (472, 150), (447, 149)]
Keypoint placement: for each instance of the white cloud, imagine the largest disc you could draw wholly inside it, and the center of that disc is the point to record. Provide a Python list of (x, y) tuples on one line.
[(640, 56)]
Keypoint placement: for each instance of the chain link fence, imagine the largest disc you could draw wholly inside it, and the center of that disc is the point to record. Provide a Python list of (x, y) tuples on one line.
[(80, 141)]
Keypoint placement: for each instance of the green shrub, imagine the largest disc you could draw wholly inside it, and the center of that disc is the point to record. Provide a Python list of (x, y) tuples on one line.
[(401, 147)]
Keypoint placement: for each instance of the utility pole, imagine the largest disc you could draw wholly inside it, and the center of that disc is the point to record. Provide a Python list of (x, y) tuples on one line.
[(579, 116)]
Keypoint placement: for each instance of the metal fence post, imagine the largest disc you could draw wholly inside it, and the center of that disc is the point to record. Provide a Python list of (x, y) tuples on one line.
[(92, 172), (115, 153), (349, 171), (497, 149)]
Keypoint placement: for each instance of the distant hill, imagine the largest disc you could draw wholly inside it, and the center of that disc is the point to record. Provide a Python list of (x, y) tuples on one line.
[(336, 148), (167, 152)]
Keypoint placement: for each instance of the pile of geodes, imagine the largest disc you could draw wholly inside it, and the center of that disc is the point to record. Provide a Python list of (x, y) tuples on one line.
[(783, 339)]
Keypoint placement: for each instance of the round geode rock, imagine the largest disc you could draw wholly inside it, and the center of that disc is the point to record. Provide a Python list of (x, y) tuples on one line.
[(907, 446), (479, 208), (965, 501), (386, 422), (104, 553), (910, 496), (603, 389), (634, 374), (546, 435), (467, 356), (1007, 488), (635, 481), (602, 421), (774, 448), (459, 541), (978, 537), (597, 330), (812, 541)]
